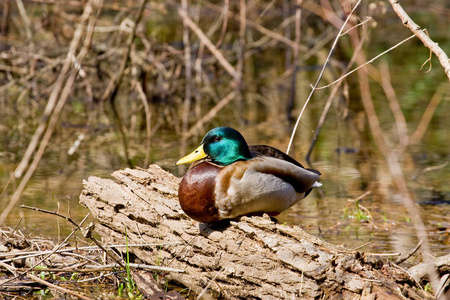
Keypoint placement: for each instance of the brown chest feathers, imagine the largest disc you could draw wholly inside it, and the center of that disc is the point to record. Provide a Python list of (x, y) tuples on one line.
[(196, 192)]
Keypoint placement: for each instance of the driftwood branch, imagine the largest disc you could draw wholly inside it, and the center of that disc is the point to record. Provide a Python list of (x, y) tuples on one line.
[(246, 258)]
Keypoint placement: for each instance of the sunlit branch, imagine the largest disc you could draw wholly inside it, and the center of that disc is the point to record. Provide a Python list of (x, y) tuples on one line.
[(368, 62), (320, 76)]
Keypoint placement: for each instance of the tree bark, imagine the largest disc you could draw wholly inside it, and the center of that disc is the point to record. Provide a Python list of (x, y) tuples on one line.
[(249, 258)]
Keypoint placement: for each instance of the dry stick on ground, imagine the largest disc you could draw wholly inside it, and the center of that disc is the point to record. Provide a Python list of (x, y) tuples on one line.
[(10, 268), (404, 258), (59, 101), (146, 284), (56, 287), (51, 213), (48, 255), (22, 255), (77, 227), (420, 33), (109, 267), (320, 76)]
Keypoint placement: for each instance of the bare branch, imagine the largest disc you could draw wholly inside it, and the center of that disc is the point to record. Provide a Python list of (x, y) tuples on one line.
[(368, 62), (422, 35), (320, 76)]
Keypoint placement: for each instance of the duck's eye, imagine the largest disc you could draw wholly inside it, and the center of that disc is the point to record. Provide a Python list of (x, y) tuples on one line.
[(217, 138)]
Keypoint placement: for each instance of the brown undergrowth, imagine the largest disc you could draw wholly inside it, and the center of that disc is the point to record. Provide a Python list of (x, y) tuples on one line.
[(80, 267)]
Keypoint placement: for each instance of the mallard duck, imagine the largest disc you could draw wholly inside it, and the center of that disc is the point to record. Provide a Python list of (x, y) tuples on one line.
[(229, 179)]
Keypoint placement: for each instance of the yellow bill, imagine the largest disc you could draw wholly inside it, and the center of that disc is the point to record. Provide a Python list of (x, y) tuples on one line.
[(198, 154)]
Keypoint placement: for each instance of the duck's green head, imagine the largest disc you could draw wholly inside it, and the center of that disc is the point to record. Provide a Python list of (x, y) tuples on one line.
[(223, 145)]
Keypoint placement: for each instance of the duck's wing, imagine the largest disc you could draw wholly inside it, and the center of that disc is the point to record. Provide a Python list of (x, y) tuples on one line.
[(263, 184), (299, 178), (264, 150)]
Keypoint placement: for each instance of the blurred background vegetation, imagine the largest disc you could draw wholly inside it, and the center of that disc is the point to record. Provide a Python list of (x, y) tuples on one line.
[(126, 84)]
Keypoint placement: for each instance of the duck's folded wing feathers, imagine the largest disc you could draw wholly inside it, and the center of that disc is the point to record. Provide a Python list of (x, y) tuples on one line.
[(301, 179), (265, 150)]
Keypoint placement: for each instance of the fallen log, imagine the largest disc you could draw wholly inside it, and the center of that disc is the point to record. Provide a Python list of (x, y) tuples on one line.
[(249, 258)]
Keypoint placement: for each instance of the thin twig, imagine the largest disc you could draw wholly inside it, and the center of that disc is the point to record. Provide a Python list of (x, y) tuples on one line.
[(201, 35), (49, 254), (354, 252), (14, 229), (135, 266), (56, 287), (420, 33), (320, 77), (361, 246), (422, 127), (368, 62), (400, 122), (50, 212), (188, 85), (10, 268), (331, 97), (108, 252), (22, 255), (25, 19), (404, 258), (211, 114), (412, 277), (429, 169), (360, 197), (295, 66)]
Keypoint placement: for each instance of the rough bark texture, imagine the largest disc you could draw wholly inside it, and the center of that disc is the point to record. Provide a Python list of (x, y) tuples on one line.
[(252, 258)]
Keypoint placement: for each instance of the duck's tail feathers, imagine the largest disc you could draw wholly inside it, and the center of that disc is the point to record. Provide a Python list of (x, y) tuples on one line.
[(317, 184)]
